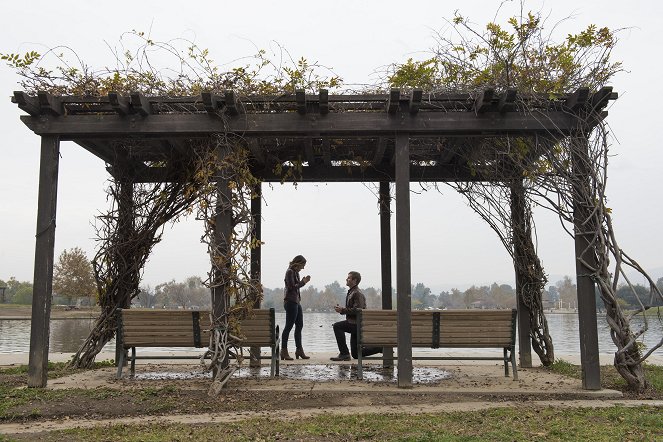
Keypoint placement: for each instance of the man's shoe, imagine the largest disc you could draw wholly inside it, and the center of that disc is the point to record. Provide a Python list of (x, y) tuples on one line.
[(341, 357), (370, 351)]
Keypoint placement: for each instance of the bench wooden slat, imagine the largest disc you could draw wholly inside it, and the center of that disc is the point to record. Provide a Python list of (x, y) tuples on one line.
[(189, 328), (455, 329)]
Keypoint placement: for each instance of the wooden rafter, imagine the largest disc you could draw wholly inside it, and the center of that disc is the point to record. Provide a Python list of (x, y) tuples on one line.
[(320, 129)]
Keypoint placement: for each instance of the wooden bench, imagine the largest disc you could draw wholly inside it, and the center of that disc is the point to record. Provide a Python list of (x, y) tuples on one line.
[(186, 328), (442, 329)]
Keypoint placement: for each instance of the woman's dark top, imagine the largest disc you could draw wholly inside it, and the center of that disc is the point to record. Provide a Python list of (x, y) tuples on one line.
[(292, 285)]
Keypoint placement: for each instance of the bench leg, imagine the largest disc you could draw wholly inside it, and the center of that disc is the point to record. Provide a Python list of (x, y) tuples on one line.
[(506, 363), (514, 364), (360, 371), (272, 370), (276, 358), (120, 364), (133, 361)]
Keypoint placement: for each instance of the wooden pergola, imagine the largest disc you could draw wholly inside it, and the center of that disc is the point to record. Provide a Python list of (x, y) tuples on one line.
[(397, 137)]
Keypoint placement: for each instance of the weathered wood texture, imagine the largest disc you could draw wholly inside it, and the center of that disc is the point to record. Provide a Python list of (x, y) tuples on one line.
[(256, 256), (585, 253), (385, 260), (403, 275), (182, 328), (290, 124), (43, 271), (443, 329), (399, 136), (324, 125), (517, 221)]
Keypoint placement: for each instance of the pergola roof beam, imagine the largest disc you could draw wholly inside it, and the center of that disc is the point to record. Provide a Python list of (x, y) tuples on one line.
[(288, 124), (415, 100), (232, 106), (323, 101), (379, 150), (308, 151), (256, 151), (341, 174), (300, 96), (600, 99), (119, 103), (507, 101), (210, 102), (484, 101), (97, 150), (49, 104), (393, 104), (578, 99), (326, 152), (27, 103), (140, 104)]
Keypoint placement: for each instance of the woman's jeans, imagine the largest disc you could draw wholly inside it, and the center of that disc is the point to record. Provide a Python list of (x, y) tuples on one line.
[(293, 316)]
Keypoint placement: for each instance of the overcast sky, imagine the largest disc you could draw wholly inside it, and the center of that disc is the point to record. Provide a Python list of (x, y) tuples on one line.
[(336, 226)]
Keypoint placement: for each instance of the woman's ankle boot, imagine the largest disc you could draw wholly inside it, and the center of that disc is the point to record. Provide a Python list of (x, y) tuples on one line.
[(284, 355), (299, 353)]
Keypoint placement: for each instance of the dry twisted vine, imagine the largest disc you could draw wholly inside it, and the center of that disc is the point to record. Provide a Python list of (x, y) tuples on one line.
[(126, 234), (228, 224), (568, 173)]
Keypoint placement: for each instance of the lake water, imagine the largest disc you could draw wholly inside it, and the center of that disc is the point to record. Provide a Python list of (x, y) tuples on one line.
[(67, 334)]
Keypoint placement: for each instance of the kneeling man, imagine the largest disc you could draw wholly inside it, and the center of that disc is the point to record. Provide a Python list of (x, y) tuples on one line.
[(354, 301)]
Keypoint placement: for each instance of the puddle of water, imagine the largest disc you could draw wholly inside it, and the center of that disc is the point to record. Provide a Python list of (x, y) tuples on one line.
[(317, 373)]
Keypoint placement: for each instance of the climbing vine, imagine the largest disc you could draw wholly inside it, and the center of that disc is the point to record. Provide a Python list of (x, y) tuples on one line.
[(209, 178), (567, 176), (212, 177)]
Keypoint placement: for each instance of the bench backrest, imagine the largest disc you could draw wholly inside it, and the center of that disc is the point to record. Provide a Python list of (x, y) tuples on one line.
[(446, 328), (187, 328)]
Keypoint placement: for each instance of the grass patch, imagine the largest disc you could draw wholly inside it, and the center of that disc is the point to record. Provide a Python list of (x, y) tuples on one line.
[(565, 368), (655, 376), (56, 369), (610, 377), (516, 424)]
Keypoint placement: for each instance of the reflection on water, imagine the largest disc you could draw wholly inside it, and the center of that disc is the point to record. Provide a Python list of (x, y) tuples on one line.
[(68, 334), (316, 373)]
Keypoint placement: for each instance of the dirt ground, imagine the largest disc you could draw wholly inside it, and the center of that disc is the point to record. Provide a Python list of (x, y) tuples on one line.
[(179, 392)]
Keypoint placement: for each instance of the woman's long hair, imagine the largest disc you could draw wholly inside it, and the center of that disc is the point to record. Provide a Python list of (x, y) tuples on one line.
[(297, 260)]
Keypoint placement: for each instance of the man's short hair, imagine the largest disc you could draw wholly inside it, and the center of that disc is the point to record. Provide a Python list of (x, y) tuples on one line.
[(356, 276)]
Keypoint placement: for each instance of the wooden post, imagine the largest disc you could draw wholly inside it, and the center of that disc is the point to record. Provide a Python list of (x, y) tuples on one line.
[(518, 228), (126, 227), (44, 251), (222, 239), (385, 260), (587, 326), (403, 289), (256, 214)]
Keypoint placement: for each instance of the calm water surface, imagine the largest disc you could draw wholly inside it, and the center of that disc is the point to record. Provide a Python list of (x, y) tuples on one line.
[(68, 334)]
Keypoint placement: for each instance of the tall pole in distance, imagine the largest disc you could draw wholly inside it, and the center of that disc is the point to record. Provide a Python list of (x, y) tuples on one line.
[(403, 275)]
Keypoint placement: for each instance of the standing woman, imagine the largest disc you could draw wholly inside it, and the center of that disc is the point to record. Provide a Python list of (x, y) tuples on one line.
[(293, 309)]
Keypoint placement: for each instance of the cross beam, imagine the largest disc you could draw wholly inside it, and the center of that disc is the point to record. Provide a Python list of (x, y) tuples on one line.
[(73, 127)]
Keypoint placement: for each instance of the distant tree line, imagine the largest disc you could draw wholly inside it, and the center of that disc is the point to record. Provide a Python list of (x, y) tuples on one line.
[(192, 293), (15, 291), (563, 294)]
